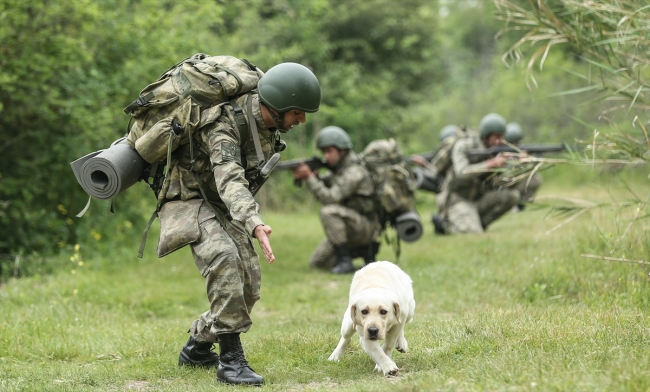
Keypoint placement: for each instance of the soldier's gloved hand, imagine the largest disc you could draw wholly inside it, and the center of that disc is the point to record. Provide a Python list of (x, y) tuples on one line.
[(262, 233), (302, 172)]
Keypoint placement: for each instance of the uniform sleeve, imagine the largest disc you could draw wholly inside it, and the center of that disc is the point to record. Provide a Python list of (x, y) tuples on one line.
[(441, 157), (231, 184), (461, 165), (342, 186)]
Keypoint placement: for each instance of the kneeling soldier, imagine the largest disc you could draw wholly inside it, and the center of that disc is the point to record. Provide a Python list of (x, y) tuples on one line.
[(349, 214)]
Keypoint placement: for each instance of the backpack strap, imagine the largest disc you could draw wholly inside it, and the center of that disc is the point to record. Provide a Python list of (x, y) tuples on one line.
[(253, 127), (247, 129)]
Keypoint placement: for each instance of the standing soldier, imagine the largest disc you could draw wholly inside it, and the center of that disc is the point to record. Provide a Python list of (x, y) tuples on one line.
[(472, 204), (349, 215), (208, 205), (527, 187)]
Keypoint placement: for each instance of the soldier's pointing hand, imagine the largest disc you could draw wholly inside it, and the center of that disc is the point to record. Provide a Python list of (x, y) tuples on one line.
[(262, 233)]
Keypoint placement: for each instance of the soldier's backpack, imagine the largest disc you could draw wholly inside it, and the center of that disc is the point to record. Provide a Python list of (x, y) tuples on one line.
[(186, 97), (394, 181)]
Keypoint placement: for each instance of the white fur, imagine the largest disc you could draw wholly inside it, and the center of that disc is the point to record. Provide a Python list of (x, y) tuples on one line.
[(379, 287)]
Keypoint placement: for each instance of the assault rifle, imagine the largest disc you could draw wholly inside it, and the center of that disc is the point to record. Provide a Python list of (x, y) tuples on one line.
[(314, 164), (479, 155)]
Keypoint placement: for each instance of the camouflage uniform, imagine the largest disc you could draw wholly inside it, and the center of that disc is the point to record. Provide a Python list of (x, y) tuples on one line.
[(349, 214), (220, 229), (472, 203), (441, 163), (528, 188)]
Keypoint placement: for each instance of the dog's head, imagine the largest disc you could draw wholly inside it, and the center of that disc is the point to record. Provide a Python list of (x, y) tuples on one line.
[(375, 315)]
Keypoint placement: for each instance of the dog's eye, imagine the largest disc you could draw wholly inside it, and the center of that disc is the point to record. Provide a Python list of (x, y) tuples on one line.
[(383, 311), (365, 311)]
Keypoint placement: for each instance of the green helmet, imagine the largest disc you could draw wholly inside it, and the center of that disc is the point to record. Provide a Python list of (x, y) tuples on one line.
[(333, 136), (490, 124), (448, 131), (290, 86), (513, 133)]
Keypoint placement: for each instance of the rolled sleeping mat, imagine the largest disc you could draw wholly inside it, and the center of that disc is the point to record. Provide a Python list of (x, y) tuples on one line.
[(104, 174), (409, 226), (426, 180)]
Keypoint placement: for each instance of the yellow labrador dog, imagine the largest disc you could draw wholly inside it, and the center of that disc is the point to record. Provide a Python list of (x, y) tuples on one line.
[(381, 303)]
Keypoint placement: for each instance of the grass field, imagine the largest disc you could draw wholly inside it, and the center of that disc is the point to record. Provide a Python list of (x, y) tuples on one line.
[(514, 309)]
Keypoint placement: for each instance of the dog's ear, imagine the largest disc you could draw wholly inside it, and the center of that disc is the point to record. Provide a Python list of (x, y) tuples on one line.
[(397, 311), (353, 315)]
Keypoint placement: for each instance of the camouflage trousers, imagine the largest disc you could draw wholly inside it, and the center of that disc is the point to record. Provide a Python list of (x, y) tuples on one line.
[(226, 258), (342, 225), (474, 217), (527, 189)]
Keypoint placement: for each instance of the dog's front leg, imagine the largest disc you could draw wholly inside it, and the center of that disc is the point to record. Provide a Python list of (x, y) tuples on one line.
[(385, 364), (391, 339), (347, 330), (402, 344)]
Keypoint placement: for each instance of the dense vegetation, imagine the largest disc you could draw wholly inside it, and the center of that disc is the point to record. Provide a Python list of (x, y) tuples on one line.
[(388, 68)]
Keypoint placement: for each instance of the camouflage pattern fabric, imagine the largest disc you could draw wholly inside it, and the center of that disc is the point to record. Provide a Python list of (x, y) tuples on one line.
[(441, 161), (528, 192), (472, 204), (342, 225), (465, 179), (224, 252), (349, 214), (474, 217), (349, 185), (225, 256)]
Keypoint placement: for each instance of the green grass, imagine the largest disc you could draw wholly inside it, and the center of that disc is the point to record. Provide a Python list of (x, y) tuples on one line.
[(514, 309)]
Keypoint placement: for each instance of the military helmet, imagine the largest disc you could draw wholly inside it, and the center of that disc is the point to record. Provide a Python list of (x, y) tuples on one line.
[(490, 124), (513, 133), (333, 136), (448, 131), (290, 86)]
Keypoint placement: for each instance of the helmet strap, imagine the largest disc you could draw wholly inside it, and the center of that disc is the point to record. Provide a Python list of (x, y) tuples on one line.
[(277, 117)]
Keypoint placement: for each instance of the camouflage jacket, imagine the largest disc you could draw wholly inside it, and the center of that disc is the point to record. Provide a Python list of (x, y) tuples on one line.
[(222, 165), (349, 185), (466, 180), (441, 161)]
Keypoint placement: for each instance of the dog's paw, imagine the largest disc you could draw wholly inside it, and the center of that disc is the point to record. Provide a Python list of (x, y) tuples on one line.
[(391, 370), (378, 369), (335, 357), (402, 345)]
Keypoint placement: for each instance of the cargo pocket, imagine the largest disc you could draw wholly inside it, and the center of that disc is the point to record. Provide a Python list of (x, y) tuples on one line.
[(179, 225), (155, 142)]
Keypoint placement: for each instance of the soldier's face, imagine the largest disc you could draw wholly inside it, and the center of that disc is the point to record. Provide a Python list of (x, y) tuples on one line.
[(293, 118), (493, 140), (332, 155)]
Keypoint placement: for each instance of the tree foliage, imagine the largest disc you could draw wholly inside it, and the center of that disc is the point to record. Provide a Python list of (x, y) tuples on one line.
[(387, 68), (68, 69)]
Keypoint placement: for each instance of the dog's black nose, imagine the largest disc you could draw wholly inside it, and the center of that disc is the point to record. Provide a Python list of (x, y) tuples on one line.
[(373, 331)]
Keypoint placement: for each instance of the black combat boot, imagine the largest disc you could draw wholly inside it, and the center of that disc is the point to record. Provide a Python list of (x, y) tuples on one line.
[(371, 253), (439, 224), (198, 354), (343, 260), (233, 367)]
